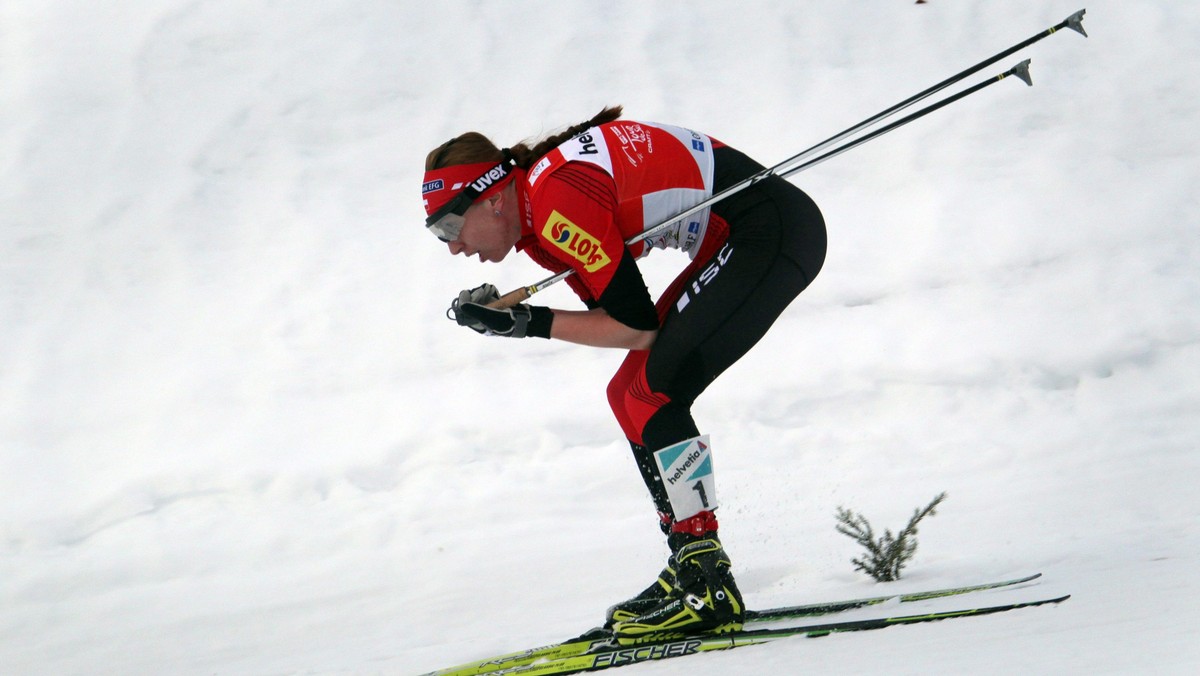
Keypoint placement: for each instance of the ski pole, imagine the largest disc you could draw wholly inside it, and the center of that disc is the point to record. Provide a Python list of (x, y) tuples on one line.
[(784, 168), (1021, 70), (1074, 22)]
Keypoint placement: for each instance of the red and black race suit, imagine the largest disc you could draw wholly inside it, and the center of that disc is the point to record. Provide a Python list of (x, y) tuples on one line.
[(754, 253)]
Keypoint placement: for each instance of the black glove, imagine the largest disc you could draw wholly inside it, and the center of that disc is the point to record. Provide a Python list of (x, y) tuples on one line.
[(470, 310), (480, 295), (510, 322)]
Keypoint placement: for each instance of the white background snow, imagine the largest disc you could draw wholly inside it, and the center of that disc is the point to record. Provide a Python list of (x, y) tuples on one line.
[(238, 436)]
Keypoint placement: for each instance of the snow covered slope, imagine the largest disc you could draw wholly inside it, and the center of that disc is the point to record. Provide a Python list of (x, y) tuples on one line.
[(237, 435)]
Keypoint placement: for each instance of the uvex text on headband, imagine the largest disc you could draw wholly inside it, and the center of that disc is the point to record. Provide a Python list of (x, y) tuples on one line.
[(449, 191)]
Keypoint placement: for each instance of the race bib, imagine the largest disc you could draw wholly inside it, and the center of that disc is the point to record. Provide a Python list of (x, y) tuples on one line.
[(687, 474)]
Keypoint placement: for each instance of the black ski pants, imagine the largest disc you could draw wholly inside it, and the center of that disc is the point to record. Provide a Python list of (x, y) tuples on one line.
[(719, 307)]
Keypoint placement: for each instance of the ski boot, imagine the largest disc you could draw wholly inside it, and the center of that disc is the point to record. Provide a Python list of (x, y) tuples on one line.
[(704, 598), (651, 596), (647, 600)]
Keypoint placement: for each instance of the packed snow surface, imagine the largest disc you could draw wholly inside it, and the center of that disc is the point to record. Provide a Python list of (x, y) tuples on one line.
[(238, 435)]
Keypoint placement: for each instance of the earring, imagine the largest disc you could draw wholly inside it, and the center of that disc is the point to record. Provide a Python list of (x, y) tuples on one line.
[(497, 212)]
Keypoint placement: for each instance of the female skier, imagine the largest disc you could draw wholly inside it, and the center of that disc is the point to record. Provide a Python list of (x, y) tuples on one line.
[(571, 201)]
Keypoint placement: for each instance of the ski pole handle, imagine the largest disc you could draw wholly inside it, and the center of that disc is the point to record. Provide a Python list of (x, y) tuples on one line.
[(512, 298), (522, 294)]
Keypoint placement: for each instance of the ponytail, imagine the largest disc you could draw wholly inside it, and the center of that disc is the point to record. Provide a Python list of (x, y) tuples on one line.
[(473, 147), (526, 156)]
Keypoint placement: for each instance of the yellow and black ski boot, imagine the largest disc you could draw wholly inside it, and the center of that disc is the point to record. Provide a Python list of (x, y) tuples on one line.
[(704, 598)]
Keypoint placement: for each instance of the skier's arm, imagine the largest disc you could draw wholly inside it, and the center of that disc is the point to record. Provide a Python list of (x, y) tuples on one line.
[(579, 205), (597, 329), (575, 224)]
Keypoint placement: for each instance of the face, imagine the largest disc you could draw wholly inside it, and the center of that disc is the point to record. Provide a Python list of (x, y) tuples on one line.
[(486, 235)]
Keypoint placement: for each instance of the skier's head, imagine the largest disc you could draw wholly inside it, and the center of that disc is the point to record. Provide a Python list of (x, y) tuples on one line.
[(464, 172), (470, 195)]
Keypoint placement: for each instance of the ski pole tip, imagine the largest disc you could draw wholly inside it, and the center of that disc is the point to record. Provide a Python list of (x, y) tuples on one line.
[(1075, 22), (1021, 70)]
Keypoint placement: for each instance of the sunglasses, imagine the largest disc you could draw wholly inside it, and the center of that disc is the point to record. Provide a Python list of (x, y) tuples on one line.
[(447, 223)]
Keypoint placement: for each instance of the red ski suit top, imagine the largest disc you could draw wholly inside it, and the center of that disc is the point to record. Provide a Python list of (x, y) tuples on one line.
[(582, 202), (586, 198)]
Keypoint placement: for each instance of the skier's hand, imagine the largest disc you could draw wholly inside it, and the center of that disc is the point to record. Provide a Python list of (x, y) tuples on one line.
[(470, 310), (483, 294), (510, 322), (480, 295)]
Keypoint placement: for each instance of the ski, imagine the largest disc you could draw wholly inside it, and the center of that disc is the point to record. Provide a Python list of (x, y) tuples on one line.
[(829, 607), (617, 656), (596, 637)]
